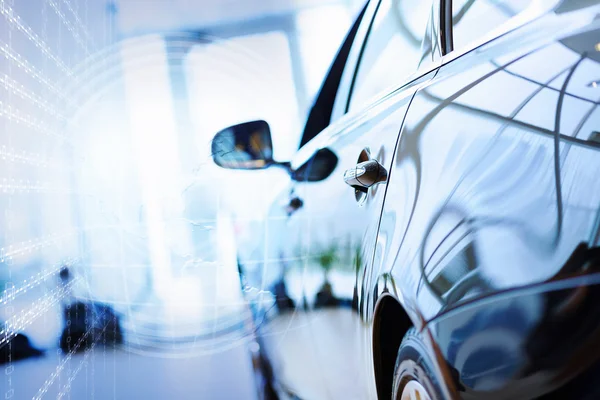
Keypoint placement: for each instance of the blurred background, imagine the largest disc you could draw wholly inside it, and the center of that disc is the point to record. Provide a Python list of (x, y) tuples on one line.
[(115, 226)]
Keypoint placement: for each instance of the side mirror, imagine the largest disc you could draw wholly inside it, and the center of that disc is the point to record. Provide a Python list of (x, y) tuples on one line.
[(244, 146)]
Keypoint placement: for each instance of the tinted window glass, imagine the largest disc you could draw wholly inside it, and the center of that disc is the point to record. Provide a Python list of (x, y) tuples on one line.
[(393, 49), (319, 116), (473, 19)]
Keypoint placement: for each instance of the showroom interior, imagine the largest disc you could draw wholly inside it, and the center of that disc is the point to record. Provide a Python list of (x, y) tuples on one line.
[(72, 72), (299, 199)]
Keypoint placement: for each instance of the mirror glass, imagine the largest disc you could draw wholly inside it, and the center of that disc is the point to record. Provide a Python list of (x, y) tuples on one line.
[(243, 146)]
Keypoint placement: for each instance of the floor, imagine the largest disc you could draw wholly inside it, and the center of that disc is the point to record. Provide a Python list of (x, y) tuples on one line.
[(116, 374)]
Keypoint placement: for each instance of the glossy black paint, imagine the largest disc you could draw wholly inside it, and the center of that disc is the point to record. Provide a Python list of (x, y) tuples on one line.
[(526, 343), (491, 194)]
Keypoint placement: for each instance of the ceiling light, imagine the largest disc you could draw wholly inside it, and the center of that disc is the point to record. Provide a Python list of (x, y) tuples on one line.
[(597, 46)]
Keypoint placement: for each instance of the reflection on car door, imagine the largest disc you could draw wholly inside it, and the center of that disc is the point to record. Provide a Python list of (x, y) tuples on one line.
[(494, 185)]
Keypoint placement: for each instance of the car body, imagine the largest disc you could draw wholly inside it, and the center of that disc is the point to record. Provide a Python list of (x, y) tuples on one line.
[(480, 242)]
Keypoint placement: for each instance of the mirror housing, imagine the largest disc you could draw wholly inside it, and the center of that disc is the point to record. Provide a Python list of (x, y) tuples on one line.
[(244, 146), (317, 168)]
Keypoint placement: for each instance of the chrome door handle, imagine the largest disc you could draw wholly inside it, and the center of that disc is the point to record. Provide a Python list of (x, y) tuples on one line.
[(365, 174)]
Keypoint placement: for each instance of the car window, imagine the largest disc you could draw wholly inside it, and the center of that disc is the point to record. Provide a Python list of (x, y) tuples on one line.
[(473, 19), (319, 116), (393, 49)]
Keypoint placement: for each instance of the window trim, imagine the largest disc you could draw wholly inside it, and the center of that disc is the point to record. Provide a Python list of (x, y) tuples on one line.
[(537, 9), (343, 95), (446, 28), (360, 56)]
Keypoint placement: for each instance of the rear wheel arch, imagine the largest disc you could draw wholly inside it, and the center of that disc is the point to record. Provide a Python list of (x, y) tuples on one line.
[(390, 324)]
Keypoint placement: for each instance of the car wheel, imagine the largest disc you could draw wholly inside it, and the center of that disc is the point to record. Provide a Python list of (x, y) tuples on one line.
[(413, 374)]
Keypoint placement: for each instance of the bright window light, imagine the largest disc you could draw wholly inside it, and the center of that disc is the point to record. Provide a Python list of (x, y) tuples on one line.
[(154, 138), (321, 30)]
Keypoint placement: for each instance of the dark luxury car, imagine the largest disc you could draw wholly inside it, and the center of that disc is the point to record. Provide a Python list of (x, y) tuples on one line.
[(439, 237)]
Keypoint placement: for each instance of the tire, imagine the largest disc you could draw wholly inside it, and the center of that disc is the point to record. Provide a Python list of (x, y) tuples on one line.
[(414, 369)]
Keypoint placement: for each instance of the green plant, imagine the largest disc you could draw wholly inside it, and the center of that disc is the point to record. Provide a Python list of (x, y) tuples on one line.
[(327, 257), (358, 260)]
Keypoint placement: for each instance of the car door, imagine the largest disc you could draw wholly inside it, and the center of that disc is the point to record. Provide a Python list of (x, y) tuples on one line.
[(493, 189), (322, 344)]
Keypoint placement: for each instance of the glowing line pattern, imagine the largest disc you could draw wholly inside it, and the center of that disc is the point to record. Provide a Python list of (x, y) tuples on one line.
[(42, 42)]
